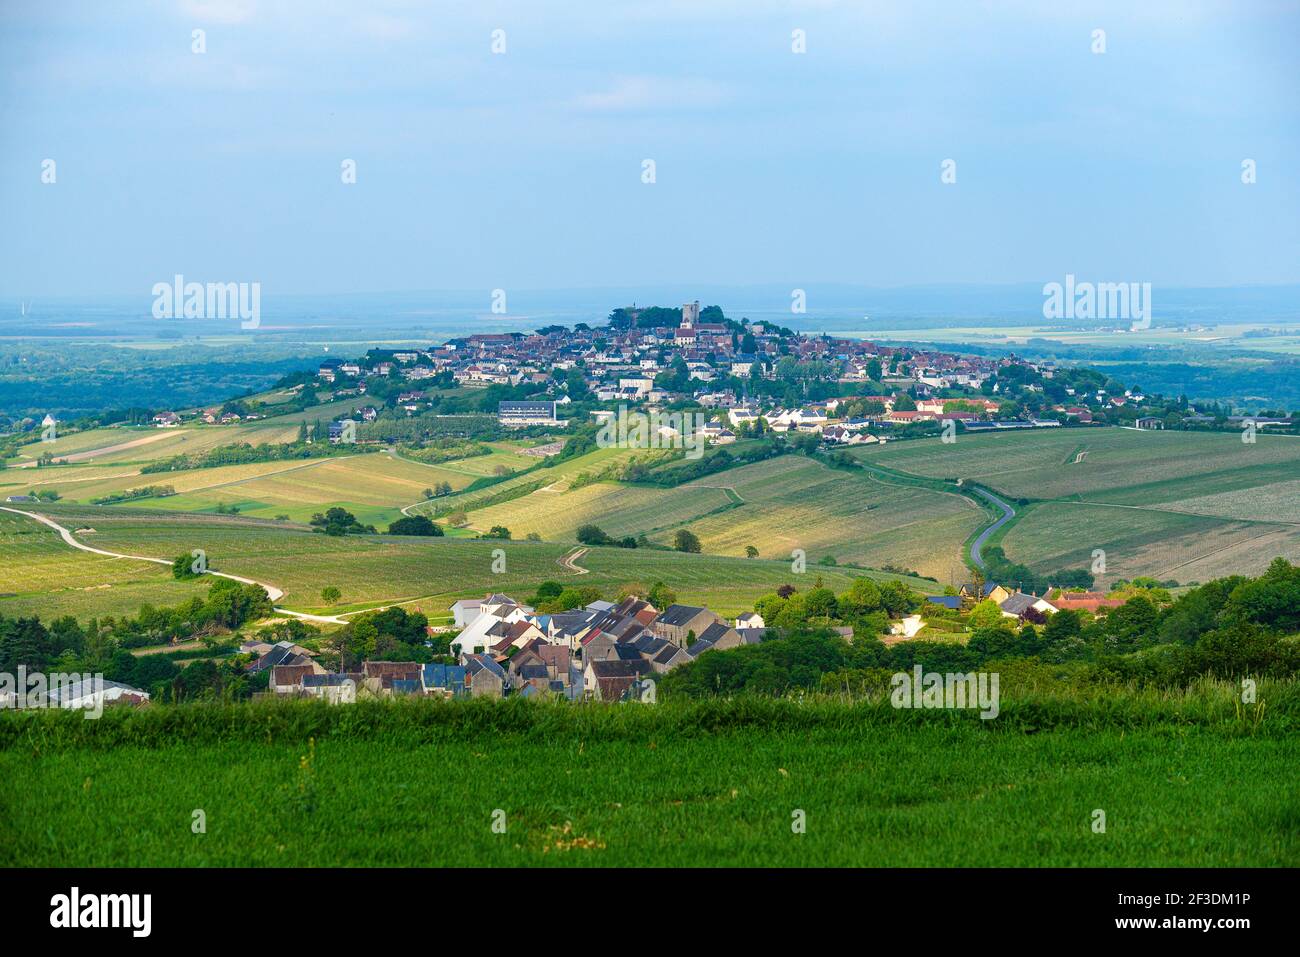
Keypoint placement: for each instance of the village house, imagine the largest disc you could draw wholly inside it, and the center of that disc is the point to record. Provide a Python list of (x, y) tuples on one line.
[(680, 622)]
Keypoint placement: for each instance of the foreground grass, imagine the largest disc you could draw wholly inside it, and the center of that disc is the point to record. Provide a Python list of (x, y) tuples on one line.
[(1183, 780)]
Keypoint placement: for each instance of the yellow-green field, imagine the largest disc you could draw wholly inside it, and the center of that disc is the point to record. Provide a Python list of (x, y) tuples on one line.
[(1139, 541), (1189, 506), (778, 505), (41, 575), (118, 445), (371, 570), (1101, 464)]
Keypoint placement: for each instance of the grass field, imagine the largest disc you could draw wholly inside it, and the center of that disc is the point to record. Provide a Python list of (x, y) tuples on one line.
[(1182, 782), (430, 573)]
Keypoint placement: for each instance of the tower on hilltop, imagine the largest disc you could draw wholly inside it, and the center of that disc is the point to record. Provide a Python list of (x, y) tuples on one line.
[(690, 314)]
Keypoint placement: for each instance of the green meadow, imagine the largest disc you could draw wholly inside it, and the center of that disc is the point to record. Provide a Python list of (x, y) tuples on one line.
[(1183, 779)]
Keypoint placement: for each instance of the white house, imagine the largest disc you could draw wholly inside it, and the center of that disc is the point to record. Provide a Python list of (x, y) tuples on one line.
[(465, 611), (492, 611)]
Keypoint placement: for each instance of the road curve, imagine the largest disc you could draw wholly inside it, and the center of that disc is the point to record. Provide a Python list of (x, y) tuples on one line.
[(275, 594), (1008, 513)]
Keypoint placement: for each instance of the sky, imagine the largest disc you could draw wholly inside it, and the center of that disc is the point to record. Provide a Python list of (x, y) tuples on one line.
[(525, 169)]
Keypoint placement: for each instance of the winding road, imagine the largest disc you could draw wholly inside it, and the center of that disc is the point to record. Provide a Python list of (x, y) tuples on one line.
[(275, 594), (1008, 513)]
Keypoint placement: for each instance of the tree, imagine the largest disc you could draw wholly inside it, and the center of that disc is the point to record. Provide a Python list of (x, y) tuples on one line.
[(592, 535), (1062, 625), (330, 594), (546, 591), (820, 603), (751, 551), (898, 599), (339, 521), (986, 614), (661, 596), (183, 567), (415, 525), (498, 531), (862, 598), (686, 541)]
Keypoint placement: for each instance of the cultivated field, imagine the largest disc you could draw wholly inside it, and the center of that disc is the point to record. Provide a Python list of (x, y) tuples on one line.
[(618, 509), (119, 445), (1184, 505), (374, 487), (1102, 464), (794, 502), (40, 575), (430, 573), (1136, 541), (778, 505), (557, 477)]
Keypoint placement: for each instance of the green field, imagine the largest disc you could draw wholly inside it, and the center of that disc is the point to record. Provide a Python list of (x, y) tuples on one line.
[(1163, 545), (374, 486), (40, 575), (1184, 505), (1183, 781), (374, 569), (777, 505), (557, 477), (119, 445), (795, 502), (1101, 464)]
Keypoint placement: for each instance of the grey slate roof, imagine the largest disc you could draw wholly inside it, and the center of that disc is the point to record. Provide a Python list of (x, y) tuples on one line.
[(679, 615)]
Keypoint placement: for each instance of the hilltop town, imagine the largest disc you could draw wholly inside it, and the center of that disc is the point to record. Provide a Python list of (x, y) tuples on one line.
[(747, 377)]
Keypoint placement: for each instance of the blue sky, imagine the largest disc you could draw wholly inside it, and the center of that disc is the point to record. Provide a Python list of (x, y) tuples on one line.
[(523, 170)]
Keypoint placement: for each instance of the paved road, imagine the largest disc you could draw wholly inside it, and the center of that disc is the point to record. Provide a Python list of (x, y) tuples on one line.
[(1008, 513), (274, 593)]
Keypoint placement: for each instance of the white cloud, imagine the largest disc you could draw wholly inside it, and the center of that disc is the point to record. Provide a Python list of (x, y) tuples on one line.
[(631, 93), (219, 11)]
